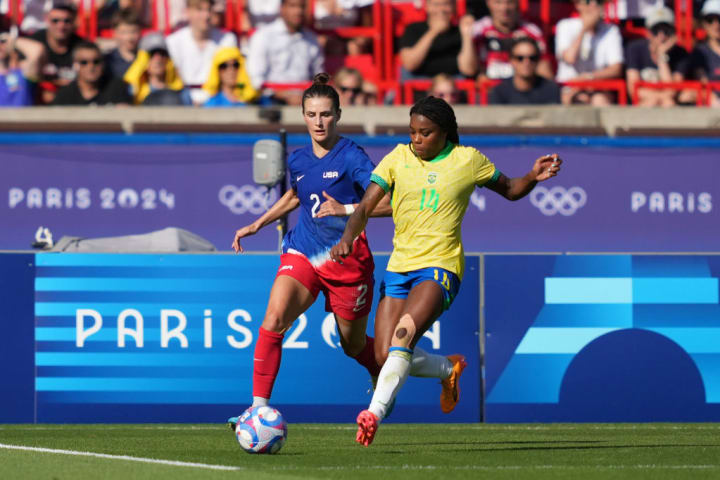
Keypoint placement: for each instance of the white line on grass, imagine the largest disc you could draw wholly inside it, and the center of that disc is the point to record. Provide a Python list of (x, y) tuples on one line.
[(363, 467), (172, 463)]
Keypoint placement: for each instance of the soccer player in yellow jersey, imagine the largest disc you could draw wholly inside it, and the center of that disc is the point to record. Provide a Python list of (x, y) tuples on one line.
[(431, 180)]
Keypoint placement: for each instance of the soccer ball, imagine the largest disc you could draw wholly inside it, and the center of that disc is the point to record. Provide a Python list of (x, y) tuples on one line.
[(261, 430)]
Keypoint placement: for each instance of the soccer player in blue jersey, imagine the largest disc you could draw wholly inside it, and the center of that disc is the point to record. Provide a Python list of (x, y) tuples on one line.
[(431, 180), (332, 169)]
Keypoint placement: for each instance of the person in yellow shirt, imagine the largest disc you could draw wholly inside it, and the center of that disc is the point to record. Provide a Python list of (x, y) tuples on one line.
[(431, 180)]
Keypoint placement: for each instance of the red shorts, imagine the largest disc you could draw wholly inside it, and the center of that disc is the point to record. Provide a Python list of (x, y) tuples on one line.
[(347, 300)]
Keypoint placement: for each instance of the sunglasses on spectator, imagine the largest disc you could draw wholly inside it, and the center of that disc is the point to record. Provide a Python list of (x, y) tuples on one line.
[(66, 21), (85, 62), (522, 58), (354, 90), (668, 30), (226, 65), (444, 94), (711, 19)]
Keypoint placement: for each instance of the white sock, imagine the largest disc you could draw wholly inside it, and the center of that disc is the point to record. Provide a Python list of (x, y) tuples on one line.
[(260, 402), (426, 364), (391, 379)]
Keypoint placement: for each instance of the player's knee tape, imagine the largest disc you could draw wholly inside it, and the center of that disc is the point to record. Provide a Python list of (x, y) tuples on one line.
[(404, 332)]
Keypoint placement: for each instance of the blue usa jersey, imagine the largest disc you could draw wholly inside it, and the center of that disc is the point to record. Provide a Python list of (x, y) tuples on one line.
[(344, 173)]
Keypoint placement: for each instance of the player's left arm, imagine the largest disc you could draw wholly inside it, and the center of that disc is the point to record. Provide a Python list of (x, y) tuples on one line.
[(331, 207), (357, 221), (516, 188)]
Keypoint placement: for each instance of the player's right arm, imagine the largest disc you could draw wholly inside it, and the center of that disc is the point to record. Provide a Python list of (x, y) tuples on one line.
[(357, 221), (286, 204)]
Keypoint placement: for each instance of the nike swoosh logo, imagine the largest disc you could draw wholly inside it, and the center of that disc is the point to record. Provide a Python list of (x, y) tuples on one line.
[(258, 359), (299, 178)]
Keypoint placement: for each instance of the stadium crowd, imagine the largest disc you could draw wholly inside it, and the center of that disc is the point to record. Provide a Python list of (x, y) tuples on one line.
[(210, 53)]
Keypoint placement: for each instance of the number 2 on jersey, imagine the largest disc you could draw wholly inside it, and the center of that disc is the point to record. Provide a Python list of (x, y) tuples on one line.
[(432, 199), (314, 198)]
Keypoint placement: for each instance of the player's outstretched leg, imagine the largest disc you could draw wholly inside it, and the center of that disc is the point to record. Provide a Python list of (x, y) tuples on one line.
[(266, 364), (367, 426), (450, 388), (391, 379)]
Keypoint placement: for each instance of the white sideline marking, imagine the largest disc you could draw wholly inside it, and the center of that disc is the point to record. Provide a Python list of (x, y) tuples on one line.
[(364, 467), (119, 457)]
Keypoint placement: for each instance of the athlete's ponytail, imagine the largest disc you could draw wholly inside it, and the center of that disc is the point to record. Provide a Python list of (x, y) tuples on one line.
[(321, 88), (440, 113)]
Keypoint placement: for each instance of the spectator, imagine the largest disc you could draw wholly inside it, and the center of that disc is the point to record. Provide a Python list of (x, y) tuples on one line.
[(17, 78), (332, 14), (349, 84), (126, 29), (192, 48), (259, 13), (706, 56), (436, 45), (587, 48), (229, 84), (59, 40), (153, 71), (657, 58), (527, 86), (494, 34), (285, 51), (91, 86), (34, 15), (443, 86)]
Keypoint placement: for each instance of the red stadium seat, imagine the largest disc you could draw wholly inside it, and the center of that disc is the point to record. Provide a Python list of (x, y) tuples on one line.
[(485, 86), (698, 87), (411, 86), (396, 17), (374, 32), (617, 85)]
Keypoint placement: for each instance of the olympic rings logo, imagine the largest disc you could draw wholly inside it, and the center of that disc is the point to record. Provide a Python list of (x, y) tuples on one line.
[(246, 199), (558, 200)]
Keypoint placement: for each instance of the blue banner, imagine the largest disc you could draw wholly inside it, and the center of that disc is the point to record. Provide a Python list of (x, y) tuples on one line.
[(614, 338), (151, 338), (629, 199)]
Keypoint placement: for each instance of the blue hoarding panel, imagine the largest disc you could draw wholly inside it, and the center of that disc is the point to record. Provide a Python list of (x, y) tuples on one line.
[(17, 388), (150, 338), (602, 338), (133, 184)]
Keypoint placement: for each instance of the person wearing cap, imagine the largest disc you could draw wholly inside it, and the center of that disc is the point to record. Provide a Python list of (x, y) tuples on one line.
[(229, 84), (588, 48), (153, 71), (705, 58), (91, 86), (17, 77), (59, 40), (126, 30), (192, 48), (657, 58)]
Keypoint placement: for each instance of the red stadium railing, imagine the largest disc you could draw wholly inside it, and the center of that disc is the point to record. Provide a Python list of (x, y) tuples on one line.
[(616, 85), (699, 88), (485, 86), (374, 32), (411, 86), (711, 87)]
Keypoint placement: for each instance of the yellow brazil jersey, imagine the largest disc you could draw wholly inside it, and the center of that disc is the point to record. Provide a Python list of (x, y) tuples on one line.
[(429, 200)]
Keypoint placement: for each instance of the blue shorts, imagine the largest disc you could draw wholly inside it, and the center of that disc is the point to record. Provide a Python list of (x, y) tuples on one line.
[(398, 285)]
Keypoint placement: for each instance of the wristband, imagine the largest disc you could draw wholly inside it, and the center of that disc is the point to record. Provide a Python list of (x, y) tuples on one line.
[(349, 208)]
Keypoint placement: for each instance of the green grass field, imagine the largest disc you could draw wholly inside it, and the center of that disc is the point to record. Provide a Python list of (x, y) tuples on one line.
[(328, 451)]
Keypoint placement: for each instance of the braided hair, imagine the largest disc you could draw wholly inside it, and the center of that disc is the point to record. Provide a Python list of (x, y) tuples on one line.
[(440, 113), (321, 88)]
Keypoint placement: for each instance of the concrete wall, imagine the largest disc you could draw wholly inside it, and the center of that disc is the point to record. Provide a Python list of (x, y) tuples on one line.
[(612, 121)]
